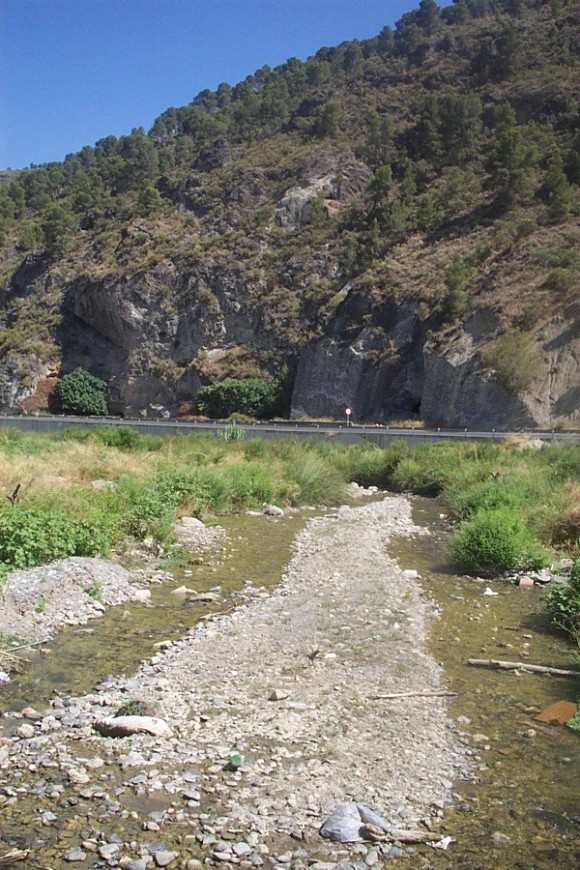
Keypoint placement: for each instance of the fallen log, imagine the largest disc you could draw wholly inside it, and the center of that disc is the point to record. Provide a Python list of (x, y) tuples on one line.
[(523, 666), (394, 695)]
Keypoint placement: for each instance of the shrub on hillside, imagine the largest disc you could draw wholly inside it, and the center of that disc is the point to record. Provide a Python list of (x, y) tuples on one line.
[(254, 397), (81, 393), (515, 359), (495, 540)]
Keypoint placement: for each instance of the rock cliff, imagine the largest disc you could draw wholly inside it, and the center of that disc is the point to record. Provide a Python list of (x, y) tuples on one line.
[(393, 225)]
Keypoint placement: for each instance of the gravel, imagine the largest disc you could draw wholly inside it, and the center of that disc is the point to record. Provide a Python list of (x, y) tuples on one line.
[(289, 685)]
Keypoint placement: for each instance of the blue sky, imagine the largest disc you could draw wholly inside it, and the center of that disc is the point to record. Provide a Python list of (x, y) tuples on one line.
[(74, 71)]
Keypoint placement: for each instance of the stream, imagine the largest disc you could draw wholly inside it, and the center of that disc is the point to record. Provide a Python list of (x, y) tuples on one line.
[(528, 774)]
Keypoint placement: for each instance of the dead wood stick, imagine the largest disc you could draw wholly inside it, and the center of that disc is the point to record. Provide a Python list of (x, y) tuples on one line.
[(549, 731), (394, 695), (412, 836), (216, 614), (373, 833), (14, 856), (26, 645), (8, 656), (525, 666)]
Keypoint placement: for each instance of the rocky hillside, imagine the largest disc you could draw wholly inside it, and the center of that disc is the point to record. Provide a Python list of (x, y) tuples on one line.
[(392, 224)]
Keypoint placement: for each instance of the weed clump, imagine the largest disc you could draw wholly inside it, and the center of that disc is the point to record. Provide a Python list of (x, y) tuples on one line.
[(496, 540), (564, 605)]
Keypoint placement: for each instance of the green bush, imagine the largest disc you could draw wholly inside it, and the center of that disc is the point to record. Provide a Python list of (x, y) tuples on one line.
[(258, 398), (32, 536), (81, 393), (495, 540), (564, 603)]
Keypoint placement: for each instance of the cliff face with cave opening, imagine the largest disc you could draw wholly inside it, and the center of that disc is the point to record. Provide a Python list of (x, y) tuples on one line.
[(323, 221)]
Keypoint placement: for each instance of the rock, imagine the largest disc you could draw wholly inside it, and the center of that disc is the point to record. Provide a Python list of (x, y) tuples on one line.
[(26, 731), (241, 849), (139, 864), (108, 850), (164, 857), (278, 695), (344, 824), (74, 854), (500, 840), (273, 510), (191, 524), (204, 596), (558, 713), (78, 776), (124, 726), (142, 595), (410, 573), (525, 583), (488, 592), (4, 678)]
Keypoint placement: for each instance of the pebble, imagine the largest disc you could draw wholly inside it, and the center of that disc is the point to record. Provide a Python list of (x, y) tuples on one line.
[(74, 854), (164, 857), (207, 685)]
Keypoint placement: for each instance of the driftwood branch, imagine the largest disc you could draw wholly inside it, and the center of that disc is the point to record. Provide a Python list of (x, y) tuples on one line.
[(216, 613), (377, 835), (13, 857), (394, 695), (523, 666), (27, 645)]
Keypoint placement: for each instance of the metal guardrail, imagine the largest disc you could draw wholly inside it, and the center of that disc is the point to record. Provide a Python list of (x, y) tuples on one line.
[(379, 435)]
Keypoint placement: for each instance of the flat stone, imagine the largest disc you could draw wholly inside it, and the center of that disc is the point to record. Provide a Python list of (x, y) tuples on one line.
[(558, 713), (164, 857), (108, 851), (74, 854), (241, 849)]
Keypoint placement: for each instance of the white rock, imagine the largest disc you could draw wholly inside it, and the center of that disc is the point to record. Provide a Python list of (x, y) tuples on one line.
[(142, 595), (273, 510), (191, 523)]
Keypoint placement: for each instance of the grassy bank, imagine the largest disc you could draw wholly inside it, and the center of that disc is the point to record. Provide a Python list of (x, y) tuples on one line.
[(87, 492)]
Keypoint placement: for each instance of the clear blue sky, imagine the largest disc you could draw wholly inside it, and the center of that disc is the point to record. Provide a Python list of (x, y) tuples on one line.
[(74, 71)]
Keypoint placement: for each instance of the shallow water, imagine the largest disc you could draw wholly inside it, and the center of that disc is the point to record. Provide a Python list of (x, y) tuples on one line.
[(528, 785), (81, 656)]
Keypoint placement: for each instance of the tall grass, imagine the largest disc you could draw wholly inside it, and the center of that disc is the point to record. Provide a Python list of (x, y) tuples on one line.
[(149, 480)]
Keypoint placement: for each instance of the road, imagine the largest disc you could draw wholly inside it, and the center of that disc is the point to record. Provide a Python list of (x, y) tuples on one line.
[(376, 434)]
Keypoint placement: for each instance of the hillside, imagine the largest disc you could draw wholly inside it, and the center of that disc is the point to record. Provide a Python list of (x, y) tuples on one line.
[(392, 224)]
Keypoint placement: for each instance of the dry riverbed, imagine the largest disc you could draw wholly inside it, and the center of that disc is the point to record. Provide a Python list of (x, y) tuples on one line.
[(274, 715)]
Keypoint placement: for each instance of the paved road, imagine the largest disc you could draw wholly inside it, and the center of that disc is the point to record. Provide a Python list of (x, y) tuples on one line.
[(380, 435)]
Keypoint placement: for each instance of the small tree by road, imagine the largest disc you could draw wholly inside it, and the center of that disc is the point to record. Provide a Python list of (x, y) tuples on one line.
[(81, 393)]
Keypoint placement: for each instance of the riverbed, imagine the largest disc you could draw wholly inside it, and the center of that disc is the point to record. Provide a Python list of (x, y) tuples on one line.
[(506, 806)]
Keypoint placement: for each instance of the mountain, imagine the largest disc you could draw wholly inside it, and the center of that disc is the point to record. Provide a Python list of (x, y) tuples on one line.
[(391, 225)]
